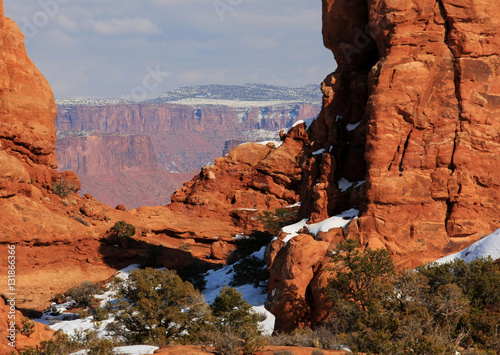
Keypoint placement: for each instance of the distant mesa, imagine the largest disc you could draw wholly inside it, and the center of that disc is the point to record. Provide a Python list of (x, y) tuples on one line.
[(139, 153)]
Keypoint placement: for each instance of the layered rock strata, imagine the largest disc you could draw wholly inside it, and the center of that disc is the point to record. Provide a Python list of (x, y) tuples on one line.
[(105, 142)]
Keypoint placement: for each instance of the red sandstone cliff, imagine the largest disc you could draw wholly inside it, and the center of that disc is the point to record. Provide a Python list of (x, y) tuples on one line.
[(149, 140), (416, 95)]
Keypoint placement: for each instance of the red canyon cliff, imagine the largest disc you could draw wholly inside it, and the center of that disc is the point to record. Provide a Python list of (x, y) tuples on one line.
[(138, 154), (412, 109)]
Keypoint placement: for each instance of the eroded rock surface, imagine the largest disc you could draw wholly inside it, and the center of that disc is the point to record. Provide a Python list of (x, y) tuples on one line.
[(412, 110)]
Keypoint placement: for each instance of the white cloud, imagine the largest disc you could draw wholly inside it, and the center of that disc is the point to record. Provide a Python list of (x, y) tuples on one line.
[(66, 23), (124, 26)]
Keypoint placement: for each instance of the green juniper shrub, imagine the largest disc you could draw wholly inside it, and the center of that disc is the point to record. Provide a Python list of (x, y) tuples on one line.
[(436, 309), (63, 188), (273, 222), (235, 319), (321, 337), (479, 281), (84, 293), (251, 270), (123, 229), (195, 273), (63, 344), (28, 327), (101, 313), (157, 307)]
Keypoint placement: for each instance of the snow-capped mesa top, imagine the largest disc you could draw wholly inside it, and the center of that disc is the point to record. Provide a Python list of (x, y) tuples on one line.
[(254, 95), (238, 96), (83, 101)]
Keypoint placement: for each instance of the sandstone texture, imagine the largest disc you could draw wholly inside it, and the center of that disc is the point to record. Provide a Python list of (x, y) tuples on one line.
[(12, 320), (251, 178), (139, 154), (410, 116)]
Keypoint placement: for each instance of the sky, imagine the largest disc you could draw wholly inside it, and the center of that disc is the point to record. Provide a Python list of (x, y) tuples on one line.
[(138, 49)]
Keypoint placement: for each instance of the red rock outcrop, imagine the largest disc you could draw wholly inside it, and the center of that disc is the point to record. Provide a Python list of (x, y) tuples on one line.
[(416, 94), (251, 178), (12, 325)]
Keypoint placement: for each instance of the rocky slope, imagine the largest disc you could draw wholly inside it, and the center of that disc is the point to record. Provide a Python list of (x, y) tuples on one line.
[(62, 239), (410, 109), (169, 138)]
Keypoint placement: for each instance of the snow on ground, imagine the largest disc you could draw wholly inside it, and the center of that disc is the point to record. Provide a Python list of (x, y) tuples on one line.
[(256, 297), (231, 103), (276, 143), (56, 319), (338, 221), (126, 350), (488, 246)]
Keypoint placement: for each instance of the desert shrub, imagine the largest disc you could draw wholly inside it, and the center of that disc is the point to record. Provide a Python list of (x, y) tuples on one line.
[(251, 270), (101, 313), (28, 327), (225, 342), (436, 309), (157, 307), (283, 352), (63, 344), (63, 188), (321, 337), (479, 281), (273, 222), (123, 229), (252, 243), (81, 220), (236, 321), (59, 298), (84, 293)]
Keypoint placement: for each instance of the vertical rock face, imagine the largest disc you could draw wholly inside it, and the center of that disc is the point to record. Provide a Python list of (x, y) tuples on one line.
[(412, 109), (422, 82), (27, 107)]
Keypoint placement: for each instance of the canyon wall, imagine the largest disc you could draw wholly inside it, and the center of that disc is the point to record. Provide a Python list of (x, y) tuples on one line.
[(154, 147), (411, 111)]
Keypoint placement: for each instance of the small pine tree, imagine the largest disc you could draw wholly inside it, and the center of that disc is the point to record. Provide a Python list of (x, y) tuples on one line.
[(236, 320), (157, 307), (123, 229)]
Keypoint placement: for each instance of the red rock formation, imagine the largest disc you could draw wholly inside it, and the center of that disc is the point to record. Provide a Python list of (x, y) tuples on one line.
[(119, 168), (11, 322), (60, 241), (416, 93), (251, 178)]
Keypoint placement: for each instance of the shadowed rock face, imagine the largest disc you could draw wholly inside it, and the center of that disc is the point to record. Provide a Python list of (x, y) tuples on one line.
[(412, 109)]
